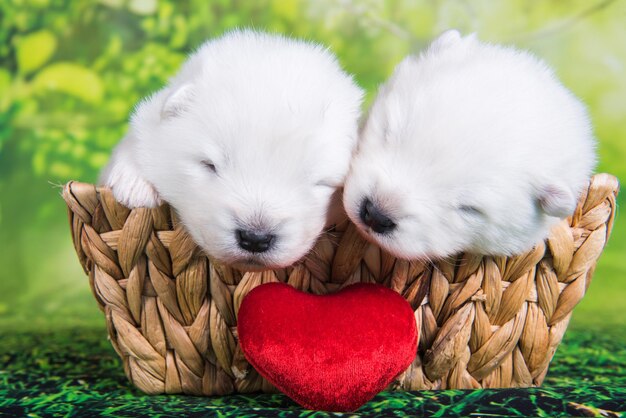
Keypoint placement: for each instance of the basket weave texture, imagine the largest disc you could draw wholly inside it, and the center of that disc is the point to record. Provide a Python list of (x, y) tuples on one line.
[(171, 312)]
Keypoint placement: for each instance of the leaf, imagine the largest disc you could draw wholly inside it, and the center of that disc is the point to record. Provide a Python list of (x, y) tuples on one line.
[(6, 98), (287, 9), (142, 7), (5, 79), (72, 79), (34, 50)]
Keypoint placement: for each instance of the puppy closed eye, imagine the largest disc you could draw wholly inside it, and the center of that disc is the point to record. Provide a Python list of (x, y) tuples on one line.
[(209, 165), (329, 183), (470, 210)]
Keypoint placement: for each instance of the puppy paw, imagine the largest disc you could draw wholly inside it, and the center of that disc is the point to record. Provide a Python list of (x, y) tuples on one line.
[(134, 192), (126, 182)]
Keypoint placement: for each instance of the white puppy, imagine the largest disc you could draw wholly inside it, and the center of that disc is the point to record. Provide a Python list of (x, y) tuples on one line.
[(468, 147), (248, 143)]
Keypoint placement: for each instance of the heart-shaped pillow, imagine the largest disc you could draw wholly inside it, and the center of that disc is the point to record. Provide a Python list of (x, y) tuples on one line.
[(333, 352)]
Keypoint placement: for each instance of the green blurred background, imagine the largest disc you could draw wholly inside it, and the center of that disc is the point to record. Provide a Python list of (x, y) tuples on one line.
[(71, 72)]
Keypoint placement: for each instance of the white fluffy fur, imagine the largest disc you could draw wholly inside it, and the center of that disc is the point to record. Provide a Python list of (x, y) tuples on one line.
[(470, 147), (278, 119)]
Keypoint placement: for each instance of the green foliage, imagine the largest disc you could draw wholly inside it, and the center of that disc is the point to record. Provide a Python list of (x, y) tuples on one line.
[(71, 79), (43, 41), (72, 71), (74, 67)]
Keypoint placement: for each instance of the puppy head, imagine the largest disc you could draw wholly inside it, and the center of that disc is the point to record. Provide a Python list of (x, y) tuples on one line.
[(417, 209), (440, 168), (249, 144)]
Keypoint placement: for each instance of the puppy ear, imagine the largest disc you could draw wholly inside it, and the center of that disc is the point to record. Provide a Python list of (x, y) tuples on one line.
[(123, 177), (177, 102), (556, 200), (446, 39)]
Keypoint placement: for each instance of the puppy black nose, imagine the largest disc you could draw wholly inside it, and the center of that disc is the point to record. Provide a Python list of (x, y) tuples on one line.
[(374, 218), (255, 242)]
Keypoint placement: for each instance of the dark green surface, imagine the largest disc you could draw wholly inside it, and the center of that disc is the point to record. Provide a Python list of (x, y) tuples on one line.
[(76, 373)]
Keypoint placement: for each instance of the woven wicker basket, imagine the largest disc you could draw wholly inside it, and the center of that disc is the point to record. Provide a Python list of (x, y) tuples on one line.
[(485, 321)]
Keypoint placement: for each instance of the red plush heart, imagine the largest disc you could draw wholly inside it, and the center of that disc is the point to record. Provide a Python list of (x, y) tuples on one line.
[(332, 352)]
